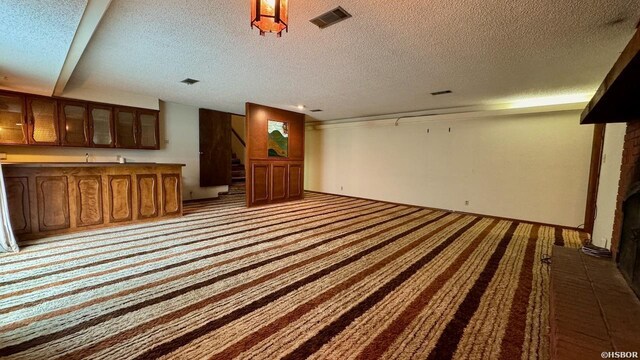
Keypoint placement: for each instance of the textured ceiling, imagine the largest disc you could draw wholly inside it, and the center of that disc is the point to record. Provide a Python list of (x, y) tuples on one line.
[(388, 58), (35, 36)]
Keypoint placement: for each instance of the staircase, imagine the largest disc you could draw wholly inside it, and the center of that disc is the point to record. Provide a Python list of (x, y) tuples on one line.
[(238, 175)]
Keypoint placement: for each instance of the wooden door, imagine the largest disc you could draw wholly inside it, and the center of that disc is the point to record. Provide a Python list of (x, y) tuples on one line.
[(42, 116), (101, 129), (215, 148), (12, 119), (148, 129), (74, 124), (52, 193), (18, 201)]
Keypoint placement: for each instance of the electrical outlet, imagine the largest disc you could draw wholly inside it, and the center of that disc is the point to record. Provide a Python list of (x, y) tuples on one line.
[(341, 188), (190, 194), (466, 203)]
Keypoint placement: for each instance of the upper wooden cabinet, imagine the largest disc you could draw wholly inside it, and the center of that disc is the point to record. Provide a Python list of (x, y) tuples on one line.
[(40, 120), (74, 124), (101, 120), (126, 130), (42, 116), (13, 124), (149, 131)]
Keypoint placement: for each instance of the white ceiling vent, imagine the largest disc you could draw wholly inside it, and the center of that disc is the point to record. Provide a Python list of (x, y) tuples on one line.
[(331, 17)]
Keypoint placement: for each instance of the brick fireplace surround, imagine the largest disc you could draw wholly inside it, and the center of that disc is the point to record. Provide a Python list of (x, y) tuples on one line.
[(629, 174)]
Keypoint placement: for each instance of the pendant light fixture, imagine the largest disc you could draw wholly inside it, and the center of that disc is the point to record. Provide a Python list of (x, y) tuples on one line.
[(270, 16)]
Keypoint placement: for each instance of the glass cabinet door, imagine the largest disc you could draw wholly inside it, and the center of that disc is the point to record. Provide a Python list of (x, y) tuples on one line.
[(101, 126), (74, 124), (13, 129), (43, 121), (125, 129), (148, 130)]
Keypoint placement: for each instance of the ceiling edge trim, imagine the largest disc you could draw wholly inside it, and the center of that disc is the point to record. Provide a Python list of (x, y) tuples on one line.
[(457, 114)]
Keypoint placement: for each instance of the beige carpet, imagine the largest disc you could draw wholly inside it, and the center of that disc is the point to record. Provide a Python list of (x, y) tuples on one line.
[(326, 277)]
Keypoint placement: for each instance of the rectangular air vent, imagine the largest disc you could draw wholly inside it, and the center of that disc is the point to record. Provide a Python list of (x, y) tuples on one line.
[(331, 17), (441, 92), (316, 110)]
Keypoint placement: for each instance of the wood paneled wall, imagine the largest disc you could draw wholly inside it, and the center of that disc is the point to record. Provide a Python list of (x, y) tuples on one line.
[(269, 179)]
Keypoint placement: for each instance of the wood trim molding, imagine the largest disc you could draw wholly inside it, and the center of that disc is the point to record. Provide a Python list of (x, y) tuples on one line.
[(597, 148)]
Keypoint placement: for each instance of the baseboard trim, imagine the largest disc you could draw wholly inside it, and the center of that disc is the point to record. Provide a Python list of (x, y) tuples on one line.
[(453, 211)]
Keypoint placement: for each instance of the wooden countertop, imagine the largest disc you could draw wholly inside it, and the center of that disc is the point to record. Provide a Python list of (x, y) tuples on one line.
[(87, 164)]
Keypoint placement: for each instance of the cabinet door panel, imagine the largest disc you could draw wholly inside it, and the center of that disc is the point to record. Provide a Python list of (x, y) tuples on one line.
[(12, 119), (260, 183), (74, 124), (120, 206), (89, 200), (147, 196), (125, 121), (53, 202), (18, 201), (43, 121), (101, 126), (149, 131), (296, 185), (171, 194), (278, 182)]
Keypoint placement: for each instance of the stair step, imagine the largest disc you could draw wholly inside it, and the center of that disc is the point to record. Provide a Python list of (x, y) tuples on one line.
[(236, 161)]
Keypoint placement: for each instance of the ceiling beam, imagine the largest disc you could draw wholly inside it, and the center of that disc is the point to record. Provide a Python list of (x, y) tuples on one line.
[(89, 22)]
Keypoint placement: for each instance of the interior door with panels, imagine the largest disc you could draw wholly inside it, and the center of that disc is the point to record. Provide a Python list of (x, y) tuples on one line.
[(13, 119), (215, 148), (42, 117), (52, 194)]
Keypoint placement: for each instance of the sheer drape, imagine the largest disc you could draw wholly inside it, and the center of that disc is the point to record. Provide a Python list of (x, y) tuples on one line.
[(7, 240)]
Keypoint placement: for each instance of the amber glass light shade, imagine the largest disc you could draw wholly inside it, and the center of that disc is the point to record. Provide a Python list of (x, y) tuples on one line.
[(270, 16)]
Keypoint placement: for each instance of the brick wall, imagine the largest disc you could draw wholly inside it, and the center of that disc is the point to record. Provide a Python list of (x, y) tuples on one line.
[(629, 174)]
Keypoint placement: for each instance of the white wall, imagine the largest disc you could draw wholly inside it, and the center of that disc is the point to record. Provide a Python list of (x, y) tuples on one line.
[(533, 167), (608, 184), (179, 125)]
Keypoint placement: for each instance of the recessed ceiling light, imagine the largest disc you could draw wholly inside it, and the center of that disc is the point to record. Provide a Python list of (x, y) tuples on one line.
[(301, 107), (441, 92), (189, 81)]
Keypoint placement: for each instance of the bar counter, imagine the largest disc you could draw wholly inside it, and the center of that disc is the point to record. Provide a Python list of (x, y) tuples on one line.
[(55, 198)]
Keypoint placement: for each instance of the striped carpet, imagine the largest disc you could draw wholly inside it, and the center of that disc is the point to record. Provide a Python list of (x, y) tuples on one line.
[(327, 277)]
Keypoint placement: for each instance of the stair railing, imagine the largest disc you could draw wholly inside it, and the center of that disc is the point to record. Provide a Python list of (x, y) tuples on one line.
[(238, 137)]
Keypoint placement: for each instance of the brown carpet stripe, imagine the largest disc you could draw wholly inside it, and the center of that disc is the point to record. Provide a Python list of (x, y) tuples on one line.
[(326, 277)]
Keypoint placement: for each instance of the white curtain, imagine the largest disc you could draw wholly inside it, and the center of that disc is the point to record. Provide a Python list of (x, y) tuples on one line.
[(7, 240)]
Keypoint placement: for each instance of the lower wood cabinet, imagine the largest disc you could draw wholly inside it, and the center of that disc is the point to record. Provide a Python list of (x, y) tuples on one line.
[(275, 181), (58, 198)]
